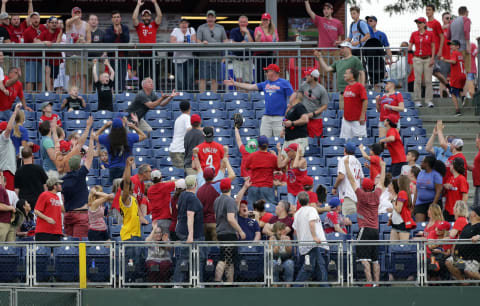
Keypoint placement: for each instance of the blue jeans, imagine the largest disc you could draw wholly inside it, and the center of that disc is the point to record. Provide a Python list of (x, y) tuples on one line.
[(182, 257), (287, 272), (184, 75), (292, 199), (114, 173), (318, 263), (258, 193)]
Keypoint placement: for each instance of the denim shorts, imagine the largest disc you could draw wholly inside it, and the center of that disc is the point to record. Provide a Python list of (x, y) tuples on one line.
[(470, 76), (210, 70), (33, 72)]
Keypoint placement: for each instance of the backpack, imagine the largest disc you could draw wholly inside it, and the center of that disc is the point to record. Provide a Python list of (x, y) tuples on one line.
[(370, 30)]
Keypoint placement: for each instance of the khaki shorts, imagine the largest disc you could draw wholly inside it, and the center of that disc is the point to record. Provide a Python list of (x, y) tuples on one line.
[(144, 126), (178, 159), (75, 64), (470, 265), (349, 207), (302, 142)]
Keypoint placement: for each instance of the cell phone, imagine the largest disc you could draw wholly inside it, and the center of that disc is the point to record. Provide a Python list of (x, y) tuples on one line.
[(251, 215)]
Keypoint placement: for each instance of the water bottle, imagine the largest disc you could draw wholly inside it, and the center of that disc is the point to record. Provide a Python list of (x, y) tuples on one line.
[(246, 37), (70, 40), (93, 263), (307, 260), (187, 38)]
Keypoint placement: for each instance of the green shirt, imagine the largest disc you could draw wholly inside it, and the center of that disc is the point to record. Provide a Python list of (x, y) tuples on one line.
[(340, 66)]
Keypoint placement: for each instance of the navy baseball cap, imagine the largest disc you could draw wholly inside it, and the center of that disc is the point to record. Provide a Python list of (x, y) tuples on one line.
[(350, 147), (262, 140)]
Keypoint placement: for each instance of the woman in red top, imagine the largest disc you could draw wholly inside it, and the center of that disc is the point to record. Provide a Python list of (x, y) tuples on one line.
[(390, 103), (394, 145), (296, 168), (456, 188), (461, 213), (402, 221), (435, 216)]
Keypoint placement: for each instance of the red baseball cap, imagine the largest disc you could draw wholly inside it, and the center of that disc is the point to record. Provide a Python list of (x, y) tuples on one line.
[(392, 118), (367, 184), (3, 125), (443, 226), (225, 185), (308, 181), (266, 16), (421, 19), (35, 148), (292, 147), (76, 9), (195, 119), (273, 67), (209, 173)]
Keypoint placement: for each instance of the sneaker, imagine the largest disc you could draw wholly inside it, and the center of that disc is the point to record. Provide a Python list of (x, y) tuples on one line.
[(418, 104), (458, 113), (430, 104), (464, 100), (468, 95)]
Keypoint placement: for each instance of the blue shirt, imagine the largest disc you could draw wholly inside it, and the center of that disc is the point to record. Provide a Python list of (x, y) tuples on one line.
[(355, 34), (276, 96), (237, 36), (46, 143), (382, 37), (74, 189), (189, 202), (118, 160), (426, 186), (17, 141), (249, 227), (441, 154)]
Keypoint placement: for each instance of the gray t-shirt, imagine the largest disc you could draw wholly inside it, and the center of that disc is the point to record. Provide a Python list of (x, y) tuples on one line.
[(217, 35), (7, 154), (313, 98), (97, 38), (223, 205), (193, 138), (138, 105)]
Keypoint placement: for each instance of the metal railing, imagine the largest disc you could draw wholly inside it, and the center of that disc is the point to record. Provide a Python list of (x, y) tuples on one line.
[(260, 263), (182, 66)]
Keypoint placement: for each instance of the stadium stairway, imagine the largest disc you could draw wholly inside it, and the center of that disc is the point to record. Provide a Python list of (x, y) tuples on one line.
[(465, 127)]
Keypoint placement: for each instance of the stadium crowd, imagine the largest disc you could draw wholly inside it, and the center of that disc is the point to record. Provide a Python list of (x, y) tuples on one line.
[(48, 198)]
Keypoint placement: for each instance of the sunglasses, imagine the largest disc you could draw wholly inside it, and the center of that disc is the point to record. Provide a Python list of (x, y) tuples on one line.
[(211, 33), (309, 93), (448, 18)]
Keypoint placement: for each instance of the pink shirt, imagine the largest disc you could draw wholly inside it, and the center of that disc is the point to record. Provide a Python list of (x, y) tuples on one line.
[(328, 31), (265, 37), (96, 220)]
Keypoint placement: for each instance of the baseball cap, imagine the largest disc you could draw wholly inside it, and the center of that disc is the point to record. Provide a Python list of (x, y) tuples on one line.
[(391, 81), (74, 162), (3, 125), (443, 226), (266, 16), (180, 184), (3, 15), (371, 17), (208, 131), (334, 202), (273, 67), (457, 143), (195, 119), (117, 123), (421, 20), (190, 181), (211, 12), (328, 4), (76, 9), (156, 174), (308, 181), (476, 209), (314, 72), (209, 173), (291, 147), (376, 148), (65, 146), (51, 19), (350, 147), (252, 146), (53, 181), (392, 118), (367, 184), (45, 104), (262, 140), (35, 13), (225, 185), (146, 12), (452, 42), (346, 44)]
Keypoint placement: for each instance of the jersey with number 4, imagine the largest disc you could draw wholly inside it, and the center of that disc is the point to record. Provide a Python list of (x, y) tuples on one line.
[(457, 72), (210, 154)]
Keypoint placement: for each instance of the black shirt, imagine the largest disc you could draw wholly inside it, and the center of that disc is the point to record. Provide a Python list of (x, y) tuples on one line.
[(105, 97), (30, 180), (73, 103), (472, 250), (192, 139), (293, 114), (4, 34), (97, 37), (74, 189), (138, 105)]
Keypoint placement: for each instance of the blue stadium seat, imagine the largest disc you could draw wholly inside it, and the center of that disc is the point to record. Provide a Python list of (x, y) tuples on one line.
[(409, 112), (78, 114), (366, 141), (97, 124), (44, 268), (333, 141), (331, 131), (410, 122), (259, 114), (245, 131), (219, 132), (333, 105), (251, 264), (420, 148), (161, 142), (10, 264), (161, 133), (157, 114), (160, 123), (139, 160), (98, 264), (251, 123), (236, 104), (72, 125), (226, 141), (373, 114), (328, 122), (183, 96), (322, 180), (92, 181), (415, 141), (31, 124), (312, 150), (66, 263), (412, 131), (245, 113), (213, 113), (161, 152), (103, 114), (333, 161), (146, 229), (235, 95), (333, 151), (403, 260), (139, 151), (329, 113), (257, 96), (204, 105), (172, 172), (125, 96), (317, 171), (217, 122), (383, 218), (208, 95), (46, 96), (259, 105), (315, 161), (121, 106)]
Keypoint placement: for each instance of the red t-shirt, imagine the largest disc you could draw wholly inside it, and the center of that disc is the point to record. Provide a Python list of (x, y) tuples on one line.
[(52, 117), (353, 98), (393, 100), (476, 170), (138, 188), (17, 32), (457, 71), (429, 229), (207, 194), (459, 186), (328, 31), (423, 43), (159, 197), (5, 216), (313, 199), (459, 225), (332, 219), (147, 34), (396, 149), (436, 28), (446, 47), (15, 90), (52, 37), (449, 174), (367, 206), (411, 76), (210, 154), (295, 180), (49, 204), (266, 217), (245, 154), (375, 168), (261, 165), (29, 35)]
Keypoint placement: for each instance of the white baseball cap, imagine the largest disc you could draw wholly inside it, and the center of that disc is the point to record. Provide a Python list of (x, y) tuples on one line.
[(346, 44), (156, 174), (315, 73)]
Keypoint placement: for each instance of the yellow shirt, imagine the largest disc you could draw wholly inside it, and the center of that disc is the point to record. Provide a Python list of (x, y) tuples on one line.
[(131, 221)]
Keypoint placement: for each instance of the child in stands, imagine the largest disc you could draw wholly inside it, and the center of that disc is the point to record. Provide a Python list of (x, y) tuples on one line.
[(74, 101), (374, 158), (104, 85), (47, 113), (457, 73)]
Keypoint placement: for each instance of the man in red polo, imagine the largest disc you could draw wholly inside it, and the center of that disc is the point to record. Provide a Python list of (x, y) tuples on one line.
[(356, 103), (13, 89)]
